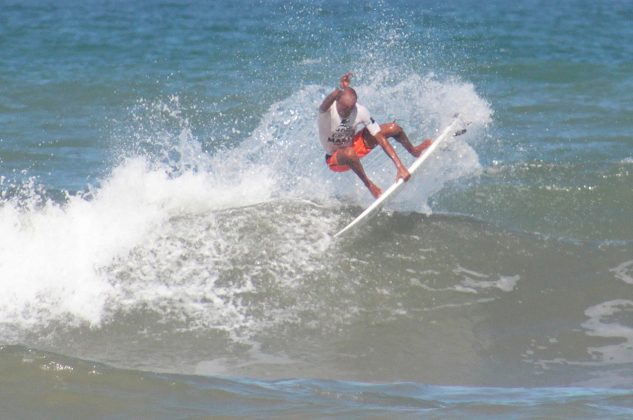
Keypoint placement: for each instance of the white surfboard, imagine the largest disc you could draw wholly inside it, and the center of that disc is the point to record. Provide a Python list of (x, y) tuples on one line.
[(399, 184)]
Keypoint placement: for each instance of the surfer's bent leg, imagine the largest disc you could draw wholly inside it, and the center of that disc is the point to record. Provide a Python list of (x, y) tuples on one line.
[(394, 130), (348, 157)]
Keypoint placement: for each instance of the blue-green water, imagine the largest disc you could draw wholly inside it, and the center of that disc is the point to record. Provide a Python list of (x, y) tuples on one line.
[(166, 217)]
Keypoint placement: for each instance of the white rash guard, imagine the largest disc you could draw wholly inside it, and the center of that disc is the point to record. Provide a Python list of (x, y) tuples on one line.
[(336, 132)]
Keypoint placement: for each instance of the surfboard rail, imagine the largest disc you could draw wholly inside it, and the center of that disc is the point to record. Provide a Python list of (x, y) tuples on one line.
[(399, 184)]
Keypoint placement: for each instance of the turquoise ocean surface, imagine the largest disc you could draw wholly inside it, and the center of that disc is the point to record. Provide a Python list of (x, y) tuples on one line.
[(167, 219)]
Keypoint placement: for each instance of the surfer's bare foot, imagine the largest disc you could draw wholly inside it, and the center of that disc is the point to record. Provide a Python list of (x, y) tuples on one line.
[(417, 150), (375, 190), (403, 174)]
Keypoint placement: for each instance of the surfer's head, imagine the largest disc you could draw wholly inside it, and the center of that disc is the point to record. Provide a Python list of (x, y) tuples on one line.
[(346, 102)]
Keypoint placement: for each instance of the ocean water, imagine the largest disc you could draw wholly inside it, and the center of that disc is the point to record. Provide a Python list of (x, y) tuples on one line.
[(167, 221)]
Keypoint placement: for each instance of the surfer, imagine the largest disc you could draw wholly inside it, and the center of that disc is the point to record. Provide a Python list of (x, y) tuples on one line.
[(339, 116)]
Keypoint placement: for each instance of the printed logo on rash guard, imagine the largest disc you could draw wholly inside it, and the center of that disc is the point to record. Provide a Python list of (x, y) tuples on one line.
[(343, 134)]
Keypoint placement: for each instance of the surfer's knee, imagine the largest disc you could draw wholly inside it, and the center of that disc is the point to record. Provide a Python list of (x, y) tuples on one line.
[(391, 129)]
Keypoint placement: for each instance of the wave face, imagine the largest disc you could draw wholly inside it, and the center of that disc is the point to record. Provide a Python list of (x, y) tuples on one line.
[(184, 233), (263, 290)]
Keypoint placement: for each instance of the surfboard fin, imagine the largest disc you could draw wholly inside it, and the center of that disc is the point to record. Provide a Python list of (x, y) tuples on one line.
[(464, 123)]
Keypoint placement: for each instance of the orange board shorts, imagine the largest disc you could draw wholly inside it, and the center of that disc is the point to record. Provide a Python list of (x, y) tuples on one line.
[(359, 146)]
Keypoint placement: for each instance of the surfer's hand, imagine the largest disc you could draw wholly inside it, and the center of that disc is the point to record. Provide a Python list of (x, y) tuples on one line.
[(345, 80), (403, 174)]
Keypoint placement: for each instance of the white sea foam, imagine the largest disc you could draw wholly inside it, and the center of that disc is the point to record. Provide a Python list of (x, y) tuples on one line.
[(52, 257), (624, 272), (504, 283), (423, 106), (150, 241), (474, 281), (603, 322), (287, 140)]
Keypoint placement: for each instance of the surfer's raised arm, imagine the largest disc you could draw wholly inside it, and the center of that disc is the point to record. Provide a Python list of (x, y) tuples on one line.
[(338, 120), (329, 100)]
